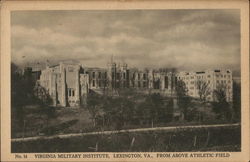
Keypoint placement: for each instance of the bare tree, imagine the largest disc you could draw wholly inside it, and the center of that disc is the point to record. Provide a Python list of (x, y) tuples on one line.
[(94, 104), (203, 90), (182, 97), (221, 107)]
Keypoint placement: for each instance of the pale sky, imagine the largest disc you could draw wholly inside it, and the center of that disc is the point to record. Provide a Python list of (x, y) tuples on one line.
[(183, 39)]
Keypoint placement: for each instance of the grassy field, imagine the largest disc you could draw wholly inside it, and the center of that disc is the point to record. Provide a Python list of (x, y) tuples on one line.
[(35, 121), (202, 139)]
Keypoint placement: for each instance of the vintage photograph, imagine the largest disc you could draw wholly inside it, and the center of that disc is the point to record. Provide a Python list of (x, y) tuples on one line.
[(139, 80)]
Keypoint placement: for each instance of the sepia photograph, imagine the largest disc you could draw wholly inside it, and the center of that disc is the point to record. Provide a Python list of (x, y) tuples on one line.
[(158, 80)]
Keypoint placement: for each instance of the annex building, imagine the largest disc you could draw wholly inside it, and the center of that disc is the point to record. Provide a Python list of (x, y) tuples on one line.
[(69, 84)]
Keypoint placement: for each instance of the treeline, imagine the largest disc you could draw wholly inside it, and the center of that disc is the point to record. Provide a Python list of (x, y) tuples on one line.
[(130, 108), (28, 100)]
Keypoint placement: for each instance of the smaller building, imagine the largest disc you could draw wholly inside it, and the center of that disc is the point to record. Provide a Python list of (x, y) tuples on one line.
[(213, 78)]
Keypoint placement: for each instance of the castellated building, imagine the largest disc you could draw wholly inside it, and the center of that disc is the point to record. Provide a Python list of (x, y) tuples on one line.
[(69, 84)]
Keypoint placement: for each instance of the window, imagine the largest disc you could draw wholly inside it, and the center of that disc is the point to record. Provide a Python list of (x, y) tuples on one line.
[(93, 74), (208, 81), (93, 83), (73, 93), (166, 82), (192, 82), (229, 81), (208, 76), (144, 76), (139, 84), (138, 76), (99, 75), (105, 83), (69, 92), (105, 75), (144, 84), (225, 76), (124, 76), (175, 80), (113, 75), (133, 75), (117, 75)]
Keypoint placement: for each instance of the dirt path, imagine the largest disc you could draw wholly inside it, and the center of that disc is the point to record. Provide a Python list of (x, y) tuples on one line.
[(122, 131)]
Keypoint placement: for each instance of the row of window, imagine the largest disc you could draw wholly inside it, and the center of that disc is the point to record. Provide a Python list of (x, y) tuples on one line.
[(99, 74), (118, 75), (223, 81), (144, 76), (144, 84), (192, 77), (217, 75), (192, 88), (208, 76)]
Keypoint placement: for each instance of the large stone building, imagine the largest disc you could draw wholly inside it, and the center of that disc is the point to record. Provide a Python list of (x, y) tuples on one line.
[(212, 78), (69, 84)]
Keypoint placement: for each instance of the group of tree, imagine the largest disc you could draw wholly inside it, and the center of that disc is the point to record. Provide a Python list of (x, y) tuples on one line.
[(25, 91), (221, 106), (129, 109)]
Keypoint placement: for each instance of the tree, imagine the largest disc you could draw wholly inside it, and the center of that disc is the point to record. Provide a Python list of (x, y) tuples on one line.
[(237, 101), (183, 99), (21, 95), (203, 90), (221, 107), (143, 112), (42, 96), (21, 87), (169, 110), (155, 107), (94, 106)]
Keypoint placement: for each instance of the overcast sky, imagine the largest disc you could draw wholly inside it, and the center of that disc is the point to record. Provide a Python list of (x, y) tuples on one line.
[(184, 39)]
